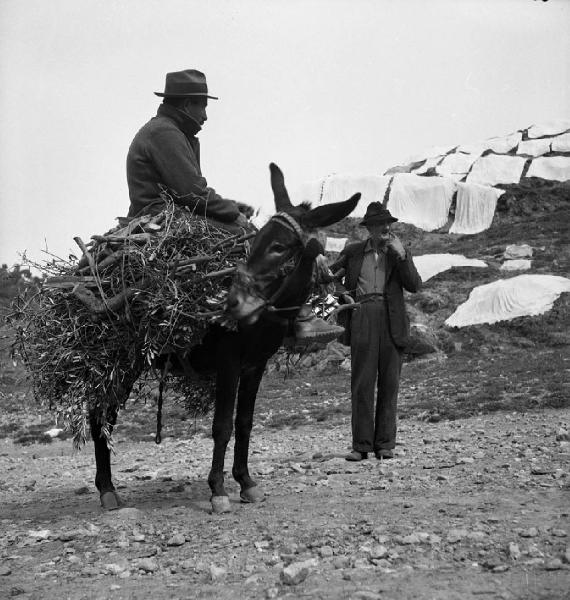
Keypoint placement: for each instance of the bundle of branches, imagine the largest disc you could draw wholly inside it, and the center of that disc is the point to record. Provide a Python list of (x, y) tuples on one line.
[(149, 287)]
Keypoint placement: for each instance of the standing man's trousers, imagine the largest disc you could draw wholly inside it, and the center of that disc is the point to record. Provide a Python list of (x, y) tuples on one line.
[(376, 366)]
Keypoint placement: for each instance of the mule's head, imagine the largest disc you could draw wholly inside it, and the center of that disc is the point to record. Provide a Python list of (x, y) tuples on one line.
[(286, 243)]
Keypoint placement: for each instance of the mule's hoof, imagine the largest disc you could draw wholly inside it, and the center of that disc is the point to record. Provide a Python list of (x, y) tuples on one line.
[(110, 501), (252, 494), (220, 504)]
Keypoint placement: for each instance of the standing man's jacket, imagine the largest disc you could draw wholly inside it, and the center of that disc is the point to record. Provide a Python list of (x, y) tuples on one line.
[(165, 151), (400, 274)]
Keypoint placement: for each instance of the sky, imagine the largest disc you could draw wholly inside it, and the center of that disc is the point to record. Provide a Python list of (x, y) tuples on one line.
[(316, 86)]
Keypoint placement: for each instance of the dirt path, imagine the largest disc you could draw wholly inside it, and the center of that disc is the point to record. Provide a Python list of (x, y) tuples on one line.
[(475, 508)]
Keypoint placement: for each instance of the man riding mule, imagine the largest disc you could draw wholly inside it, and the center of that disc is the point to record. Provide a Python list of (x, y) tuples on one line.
[(165, 153), (266, 296)]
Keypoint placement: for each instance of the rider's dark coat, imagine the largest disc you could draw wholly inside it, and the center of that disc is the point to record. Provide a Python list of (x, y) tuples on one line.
[(165, 151)]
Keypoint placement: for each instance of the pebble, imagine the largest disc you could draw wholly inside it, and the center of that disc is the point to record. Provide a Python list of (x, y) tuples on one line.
[(514, 551), (529, 533), (217, 573), (378, 551), (456, 535), (297, 572), (177, 539), (553, 565), (148, 565), (4, 570), (559, 532)]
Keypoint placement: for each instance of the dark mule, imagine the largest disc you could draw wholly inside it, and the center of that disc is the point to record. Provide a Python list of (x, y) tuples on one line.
[(264, 298)]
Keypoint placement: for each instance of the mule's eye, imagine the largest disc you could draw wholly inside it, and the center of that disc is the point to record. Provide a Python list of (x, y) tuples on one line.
[(277, 247)]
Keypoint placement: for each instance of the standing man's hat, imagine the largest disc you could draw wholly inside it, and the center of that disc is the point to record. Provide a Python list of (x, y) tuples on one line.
[(376, 214), (182, 84)]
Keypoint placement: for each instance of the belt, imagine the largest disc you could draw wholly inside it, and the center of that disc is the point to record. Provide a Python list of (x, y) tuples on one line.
[(371, 298)]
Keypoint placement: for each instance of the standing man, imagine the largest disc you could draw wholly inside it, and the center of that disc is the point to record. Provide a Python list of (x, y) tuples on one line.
[(376, 271), (166, 152)]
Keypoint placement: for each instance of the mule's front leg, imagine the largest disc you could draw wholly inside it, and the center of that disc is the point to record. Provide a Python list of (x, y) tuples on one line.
[(226, 386), (103, 478), (249, 384)]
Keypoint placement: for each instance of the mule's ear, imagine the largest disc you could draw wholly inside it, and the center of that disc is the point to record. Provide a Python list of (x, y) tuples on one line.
[(329, 213), (280, 194)]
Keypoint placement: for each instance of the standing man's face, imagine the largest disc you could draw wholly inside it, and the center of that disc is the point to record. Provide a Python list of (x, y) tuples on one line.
[(379, 234), (196, 109)]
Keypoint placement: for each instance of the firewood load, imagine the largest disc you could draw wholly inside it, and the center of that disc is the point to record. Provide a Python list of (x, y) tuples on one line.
[(148, 287)]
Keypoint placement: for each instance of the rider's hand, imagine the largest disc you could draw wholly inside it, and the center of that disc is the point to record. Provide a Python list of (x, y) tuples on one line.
[(241, 220), (245, 209)]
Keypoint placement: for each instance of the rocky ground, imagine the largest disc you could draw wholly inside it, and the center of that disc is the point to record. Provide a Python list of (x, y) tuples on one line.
[(471, 508)]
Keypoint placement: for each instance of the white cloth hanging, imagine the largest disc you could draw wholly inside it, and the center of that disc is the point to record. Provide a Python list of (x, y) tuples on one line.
[(429, 265), (506, 299), (561, 143), (554, 127), (550, 167), (493, 169), (421, 201), (475, 208), (456, 165), (503, 144), (534, 147)]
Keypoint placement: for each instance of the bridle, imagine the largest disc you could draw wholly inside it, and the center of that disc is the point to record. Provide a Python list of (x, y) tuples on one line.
[(248, 283)]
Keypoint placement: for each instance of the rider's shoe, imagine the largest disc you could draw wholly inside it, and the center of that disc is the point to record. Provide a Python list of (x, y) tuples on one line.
[(309, 327)]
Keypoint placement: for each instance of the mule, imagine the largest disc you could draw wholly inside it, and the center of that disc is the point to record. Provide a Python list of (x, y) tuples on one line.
[(265, 297)]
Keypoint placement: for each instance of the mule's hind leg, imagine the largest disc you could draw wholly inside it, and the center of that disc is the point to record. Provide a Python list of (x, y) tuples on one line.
[(249, 384), (226, 386), (103, 478)]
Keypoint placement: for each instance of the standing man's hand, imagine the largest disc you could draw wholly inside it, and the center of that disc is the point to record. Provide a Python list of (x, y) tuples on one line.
[(396, 245)]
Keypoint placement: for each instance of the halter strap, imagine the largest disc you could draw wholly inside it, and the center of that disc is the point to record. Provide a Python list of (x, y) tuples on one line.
[(290, 223)]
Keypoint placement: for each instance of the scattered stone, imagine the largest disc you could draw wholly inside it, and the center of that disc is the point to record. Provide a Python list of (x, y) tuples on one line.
[(563, 435), (529, 533), (553, 565), (409, 539), (40, 534), (177, 539), (217, 573), (365, 595), (500, 568), (540, 470), (514, 551), (378, 551), (5, 570), (297, 572), (149, 565), (271, 592), (456, 535), (115, 568), (559, 532), (326, 552), (81, 491)]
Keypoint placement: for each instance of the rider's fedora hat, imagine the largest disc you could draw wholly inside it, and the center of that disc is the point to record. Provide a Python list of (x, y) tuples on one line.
[(183, 84), (376, 214)]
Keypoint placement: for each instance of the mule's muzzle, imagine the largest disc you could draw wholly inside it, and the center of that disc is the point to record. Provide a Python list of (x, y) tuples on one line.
[(245, 303)]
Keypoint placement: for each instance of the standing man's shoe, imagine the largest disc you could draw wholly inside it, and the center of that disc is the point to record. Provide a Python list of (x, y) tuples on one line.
[(356, 456), (384, 454)]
